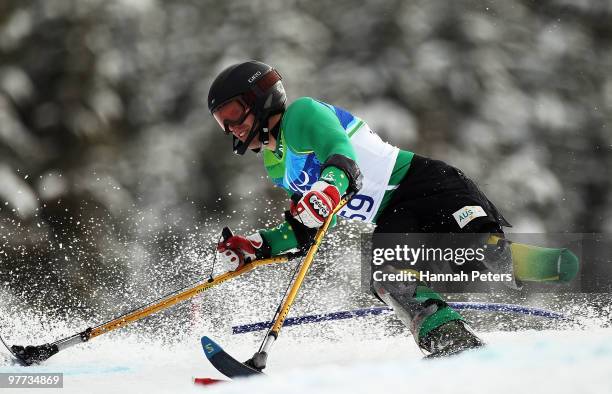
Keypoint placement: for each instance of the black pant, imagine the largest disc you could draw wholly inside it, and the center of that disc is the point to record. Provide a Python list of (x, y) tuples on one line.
[(424, 203), (427, 197)]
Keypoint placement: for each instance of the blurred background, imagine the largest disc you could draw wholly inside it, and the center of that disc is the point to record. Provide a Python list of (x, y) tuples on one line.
[(115, 180)]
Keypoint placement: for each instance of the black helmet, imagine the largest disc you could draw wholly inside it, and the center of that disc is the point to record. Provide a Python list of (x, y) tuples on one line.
[(259, 87)]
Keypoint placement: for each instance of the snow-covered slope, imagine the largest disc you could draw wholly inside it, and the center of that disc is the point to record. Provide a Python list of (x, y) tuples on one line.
[(162, 353), (523, 361)]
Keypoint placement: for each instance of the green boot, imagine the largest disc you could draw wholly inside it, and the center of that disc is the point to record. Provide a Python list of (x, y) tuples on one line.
[(445, 332)]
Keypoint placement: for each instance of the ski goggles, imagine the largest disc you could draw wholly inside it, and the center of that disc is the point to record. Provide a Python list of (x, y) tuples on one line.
[(231, 113)]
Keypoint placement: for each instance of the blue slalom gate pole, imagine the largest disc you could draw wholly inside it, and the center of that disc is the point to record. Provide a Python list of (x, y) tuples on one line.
[(373, 311)]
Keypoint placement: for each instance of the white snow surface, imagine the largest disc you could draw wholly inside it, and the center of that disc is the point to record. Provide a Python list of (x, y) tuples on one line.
[(375, 354), (574, 361)]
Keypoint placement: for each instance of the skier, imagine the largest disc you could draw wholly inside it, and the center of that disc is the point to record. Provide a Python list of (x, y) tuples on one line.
[(318, 152)]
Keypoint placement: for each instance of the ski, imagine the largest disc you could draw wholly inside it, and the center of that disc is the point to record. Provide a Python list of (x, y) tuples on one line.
[(225, 363)]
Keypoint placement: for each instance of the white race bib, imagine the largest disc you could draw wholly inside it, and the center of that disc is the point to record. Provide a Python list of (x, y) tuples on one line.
[(376, 160)]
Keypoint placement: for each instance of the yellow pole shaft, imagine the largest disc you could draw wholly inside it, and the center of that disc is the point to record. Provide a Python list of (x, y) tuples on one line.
[(284, 311), (179, 297)]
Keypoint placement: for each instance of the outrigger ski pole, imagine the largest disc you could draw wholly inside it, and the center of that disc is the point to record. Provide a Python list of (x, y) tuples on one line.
[(233, 368), (29, 355)]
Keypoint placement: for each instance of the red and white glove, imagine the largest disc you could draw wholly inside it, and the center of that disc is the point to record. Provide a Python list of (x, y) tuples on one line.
[(316, 205), (237, 250)]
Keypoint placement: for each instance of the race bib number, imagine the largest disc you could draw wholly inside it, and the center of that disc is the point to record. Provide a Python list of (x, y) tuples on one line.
[(360, 207)]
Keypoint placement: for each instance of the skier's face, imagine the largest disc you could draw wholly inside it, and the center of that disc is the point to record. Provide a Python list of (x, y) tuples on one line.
[(235, 118)]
